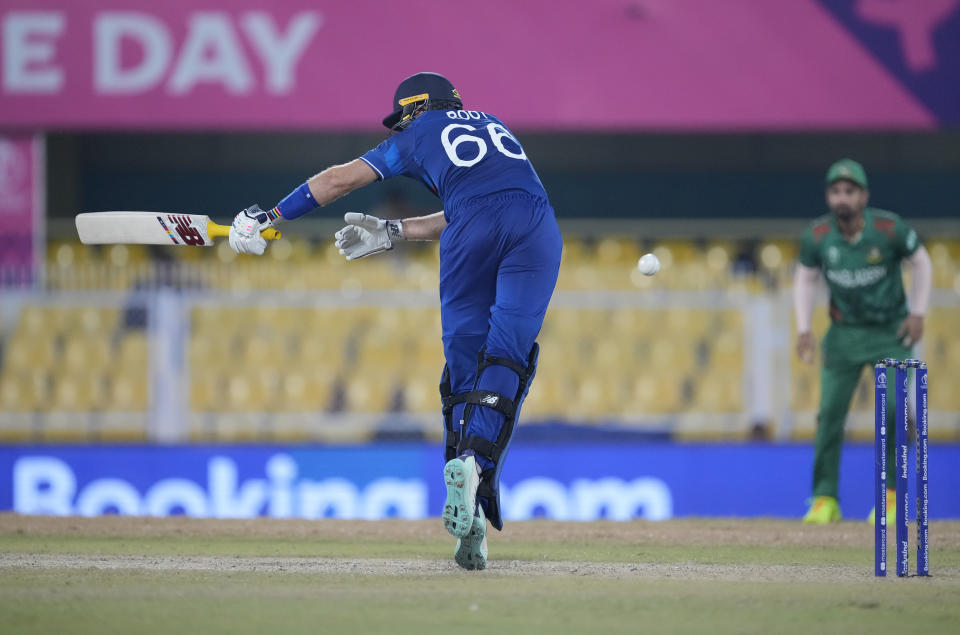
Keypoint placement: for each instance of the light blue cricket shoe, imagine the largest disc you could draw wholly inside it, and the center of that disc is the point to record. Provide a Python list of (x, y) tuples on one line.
[(471, 553), (462, 476)]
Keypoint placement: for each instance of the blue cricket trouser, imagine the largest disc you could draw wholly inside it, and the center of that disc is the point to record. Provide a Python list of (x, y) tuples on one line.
[(499, 260)]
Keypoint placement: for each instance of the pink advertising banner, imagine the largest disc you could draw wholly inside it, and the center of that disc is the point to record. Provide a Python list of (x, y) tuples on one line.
[(21, 207), (538, 64)]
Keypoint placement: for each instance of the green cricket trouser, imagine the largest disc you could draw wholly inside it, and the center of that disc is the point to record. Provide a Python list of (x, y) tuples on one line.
[(846, 350)]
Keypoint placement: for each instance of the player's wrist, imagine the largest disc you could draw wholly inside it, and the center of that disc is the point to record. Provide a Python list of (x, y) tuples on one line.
[(274, 216), (395, 230)]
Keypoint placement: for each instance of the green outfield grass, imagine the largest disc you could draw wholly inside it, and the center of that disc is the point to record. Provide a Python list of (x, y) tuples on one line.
[(697, 576)]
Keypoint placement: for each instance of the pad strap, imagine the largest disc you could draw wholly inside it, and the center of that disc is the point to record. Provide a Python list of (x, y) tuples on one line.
[(485, 489), (497, 402), (488, 399), (449, 400), (486, 361)]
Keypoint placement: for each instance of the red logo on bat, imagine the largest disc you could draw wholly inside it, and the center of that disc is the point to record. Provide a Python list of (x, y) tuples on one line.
[(190, 234)]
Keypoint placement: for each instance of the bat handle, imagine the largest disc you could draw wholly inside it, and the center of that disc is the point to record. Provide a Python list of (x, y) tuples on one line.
[(222, 231)]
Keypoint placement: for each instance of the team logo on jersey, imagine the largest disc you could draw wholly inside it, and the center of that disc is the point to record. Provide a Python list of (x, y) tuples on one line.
[(833, 255), (874, 256)]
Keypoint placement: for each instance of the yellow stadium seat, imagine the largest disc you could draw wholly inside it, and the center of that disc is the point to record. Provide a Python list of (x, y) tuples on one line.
[(262, 349), (684, 323), (726, 350), (69, 253), (26, 353), (776, 254), (944, 250), (132, 351), (676, 353), (422, 395), (15, 394), (87, 352), (617, 251), (207, 391), (613, 352), (303, 392), (205, 319), (243, 394), (36, 320), (428, 354), (93, 321), (719, 254), (368, 393), (679, 251), (319, 350), (127, 393), (547, 397), (574, 251), (384, 352), (654, 393), (81, 392), (720, 390), (589, 398)]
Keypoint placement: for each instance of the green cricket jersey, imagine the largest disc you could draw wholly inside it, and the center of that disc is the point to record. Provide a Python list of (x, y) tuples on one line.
[(864, 277)]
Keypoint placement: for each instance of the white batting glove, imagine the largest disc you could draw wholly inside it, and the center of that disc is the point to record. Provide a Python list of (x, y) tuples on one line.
[(366, 235), (245, 235)]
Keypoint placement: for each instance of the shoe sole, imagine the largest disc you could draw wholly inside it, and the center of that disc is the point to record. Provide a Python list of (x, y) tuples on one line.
[(471, 553), (461, 497)]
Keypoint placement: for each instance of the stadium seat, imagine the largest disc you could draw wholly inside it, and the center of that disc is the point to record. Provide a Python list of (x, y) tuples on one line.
[(72, 392), (15, 394), (645, 354), (718, 391), (87, 352), (127, 392)]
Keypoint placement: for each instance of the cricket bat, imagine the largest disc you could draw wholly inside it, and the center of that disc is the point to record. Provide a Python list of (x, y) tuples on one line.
[(153, 228)]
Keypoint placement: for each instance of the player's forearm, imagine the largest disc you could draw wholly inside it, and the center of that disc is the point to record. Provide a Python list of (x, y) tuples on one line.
[(424, 227), (340, 180), (921, 281), (322, 189), (804, 292)]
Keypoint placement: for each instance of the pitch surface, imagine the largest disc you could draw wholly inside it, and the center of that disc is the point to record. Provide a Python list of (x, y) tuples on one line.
[(241, 576)]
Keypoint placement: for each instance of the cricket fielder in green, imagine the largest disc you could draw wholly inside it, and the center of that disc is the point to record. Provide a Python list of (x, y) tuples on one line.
[(859, 250)]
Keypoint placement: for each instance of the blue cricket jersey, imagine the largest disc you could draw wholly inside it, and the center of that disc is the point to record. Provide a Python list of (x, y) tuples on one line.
[(460, 155)]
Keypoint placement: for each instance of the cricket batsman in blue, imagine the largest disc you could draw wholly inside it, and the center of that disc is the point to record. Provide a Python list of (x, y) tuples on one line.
[(500, 252)]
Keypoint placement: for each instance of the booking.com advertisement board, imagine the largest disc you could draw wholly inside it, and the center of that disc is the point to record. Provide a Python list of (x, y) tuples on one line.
[(560, 482)]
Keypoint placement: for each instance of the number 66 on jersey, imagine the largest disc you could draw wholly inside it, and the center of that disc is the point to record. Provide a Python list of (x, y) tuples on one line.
[(153, 228)]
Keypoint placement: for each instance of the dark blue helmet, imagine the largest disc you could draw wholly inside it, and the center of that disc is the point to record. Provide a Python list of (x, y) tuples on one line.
[(419, 93)]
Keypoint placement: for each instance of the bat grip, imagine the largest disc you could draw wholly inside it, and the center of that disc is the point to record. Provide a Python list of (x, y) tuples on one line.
[(222, 231)]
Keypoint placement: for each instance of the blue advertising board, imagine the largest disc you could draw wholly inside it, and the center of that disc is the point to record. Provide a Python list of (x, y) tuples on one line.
[(653, 481)]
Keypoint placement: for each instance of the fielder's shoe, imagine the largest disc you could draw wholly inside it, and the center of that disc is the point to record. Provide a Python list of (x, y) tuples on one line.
[(462, 476), (823, 511), (471, 553), (891, 509)]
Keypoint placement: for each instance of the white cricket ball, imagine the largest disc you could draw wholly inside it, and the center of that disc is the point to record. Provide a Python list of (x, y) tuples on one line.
[(649, 265)]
